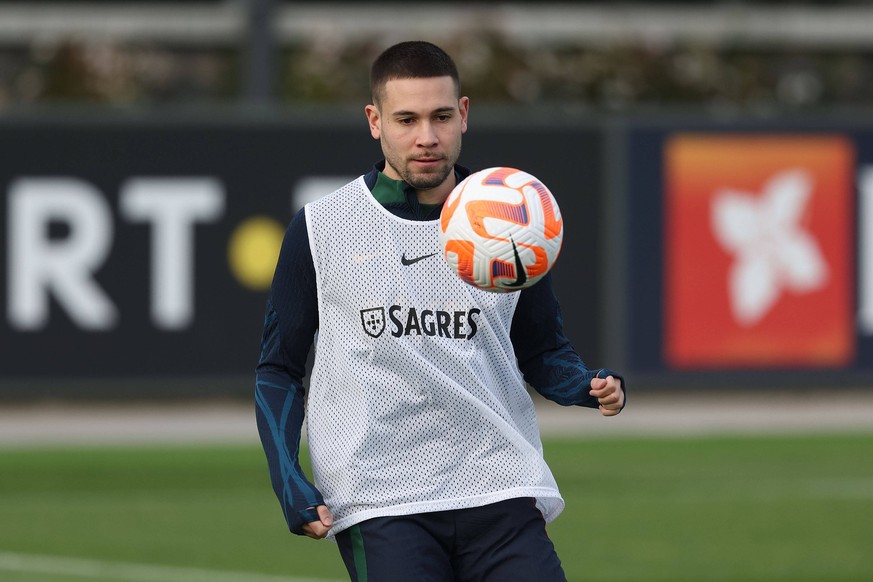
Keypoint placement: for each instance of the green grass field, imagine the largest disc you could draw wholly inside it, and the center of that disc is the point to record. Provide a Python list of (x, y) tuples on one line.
[(648, 509)]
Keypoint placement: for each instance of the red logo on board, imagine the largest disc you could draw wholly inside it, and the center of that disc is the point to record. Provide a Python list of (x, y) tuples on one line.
[(758, 251)]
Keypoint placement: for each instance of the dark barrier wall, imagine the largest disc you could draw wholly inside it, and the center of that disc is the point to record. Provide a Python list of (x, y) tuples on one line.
[(751, 250), (139, 249)]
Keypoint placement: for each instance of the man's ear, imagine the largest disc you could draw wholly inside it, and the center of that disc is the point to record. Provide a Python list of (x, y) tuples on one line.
[(375, 120)]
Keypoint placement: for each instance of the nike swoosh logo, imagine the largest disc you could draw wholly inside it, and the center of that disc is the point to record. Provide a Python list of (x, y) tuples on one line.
[(406, 262), (520, 273)]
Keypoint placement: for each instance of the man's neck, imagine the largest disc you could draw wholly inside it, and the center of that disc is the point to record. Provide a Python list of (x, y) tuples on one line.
[(438, 195)]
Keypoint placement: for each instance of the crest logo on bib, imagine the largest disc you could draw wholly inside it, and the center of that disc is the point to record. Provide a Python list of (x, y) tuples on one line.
[(373, 320)]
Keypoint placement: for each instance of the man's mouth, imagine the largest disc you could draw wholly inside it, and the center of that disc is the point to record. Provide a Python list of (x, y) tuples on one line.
[(427, 161)]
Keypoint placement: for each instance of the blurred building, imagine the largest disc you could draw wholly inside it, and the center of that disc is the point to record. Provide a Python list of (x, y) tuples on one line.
[(750, 56)]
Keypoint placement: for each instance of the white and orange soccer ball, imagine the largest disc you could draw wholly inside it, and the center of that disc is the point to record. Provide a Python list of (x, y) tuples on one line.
[(501, 230)]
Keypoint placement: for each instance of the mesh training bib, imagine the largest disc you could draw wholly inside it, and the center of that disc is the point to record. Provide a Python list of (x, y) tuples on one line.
[(415, 402)]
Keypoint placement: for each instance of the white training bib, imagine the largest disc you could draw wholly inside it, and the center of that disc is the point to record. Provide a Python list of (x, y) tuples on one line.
[(415, 403)]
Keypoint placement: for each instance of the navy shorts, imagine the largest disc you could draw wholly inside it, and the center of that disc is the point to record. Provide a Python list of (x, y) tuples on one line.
[(503, 542)]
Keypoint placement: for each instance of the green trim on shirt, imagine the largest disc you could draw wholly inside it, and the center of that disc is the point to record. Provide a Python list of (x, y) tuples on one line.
[(389, 191)]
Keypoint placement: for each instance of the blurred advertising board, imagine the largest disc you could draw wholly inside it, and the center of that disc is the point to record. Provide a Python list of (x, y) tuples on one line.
[(146, 248), (751, 248)]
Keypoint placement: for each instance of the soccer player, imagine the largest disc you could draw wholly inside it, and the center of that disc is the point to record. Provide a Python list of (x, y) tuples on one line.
[(425, 448)]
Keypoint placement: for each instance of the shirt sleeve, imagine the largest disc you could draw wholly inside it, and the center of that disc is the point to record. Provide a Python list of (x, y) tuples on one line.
[(290, 323), (546, 358)]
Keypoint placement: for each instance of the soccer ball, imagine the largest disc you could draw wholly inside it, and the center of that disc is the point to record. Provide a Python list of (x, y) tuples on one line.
[(501, 230)]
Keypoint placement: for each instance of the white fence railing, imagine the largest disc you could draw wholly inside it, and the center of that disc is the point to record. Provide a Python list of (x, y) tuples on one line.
[(529, 23)]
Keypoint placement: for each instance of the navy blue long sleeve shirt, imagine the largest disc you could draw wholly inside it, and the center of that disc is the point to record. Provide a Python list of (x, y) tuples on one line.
[(545, 357)]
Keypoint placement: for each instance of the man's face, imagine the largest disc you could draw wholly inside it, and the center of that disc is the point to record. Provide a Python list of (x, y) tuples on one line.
[(419, 123)]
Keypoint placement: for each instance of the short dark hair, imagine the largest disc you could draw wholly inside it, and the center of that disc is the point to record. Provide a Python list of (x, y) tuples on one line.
[(413, 59)]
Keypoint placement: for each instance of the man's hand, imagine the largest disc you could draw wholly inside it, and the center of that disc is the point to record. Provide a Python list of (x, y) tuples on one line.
[(609, 394), (318, 529)]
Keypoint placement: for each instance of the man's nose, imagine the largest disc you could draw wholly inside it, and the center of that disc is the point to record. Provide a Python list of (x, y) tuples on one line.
[(427, 135)]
